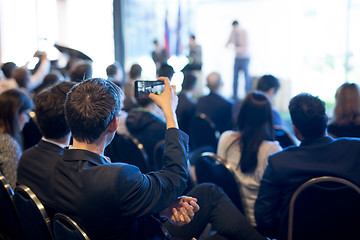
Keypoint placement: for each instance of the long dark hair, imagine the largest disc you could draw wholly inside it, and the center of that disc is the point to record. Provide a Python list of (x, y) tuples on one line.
[(13, 102), (255, 122)]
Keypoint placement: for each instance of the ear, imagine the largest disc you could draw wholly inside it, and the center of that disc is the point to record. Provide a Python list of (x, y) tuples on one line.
[(113, 125), (297, 133)]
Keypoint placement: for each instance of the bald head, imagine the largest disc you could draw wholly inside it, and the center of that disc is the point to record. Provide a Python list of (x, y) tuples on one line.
[(214, 81)]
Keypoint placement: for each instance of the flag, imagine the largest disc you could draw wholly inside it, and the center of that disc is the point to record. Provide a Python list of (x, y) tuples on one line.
[(178, 30), (167, 46)]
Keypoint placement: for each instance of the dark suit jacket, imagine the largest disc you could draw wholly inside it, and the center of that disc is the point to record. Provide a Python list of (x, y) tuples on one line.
[(218, 109), (35, 169), (115, 200), (185, 111), (288, 169)]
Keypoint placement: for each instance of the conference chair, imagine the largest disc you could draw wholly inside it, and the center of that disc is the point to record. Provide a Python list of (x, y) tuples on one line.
[(66, 228), (203, 132), (128, 149), (325, 208), (9, 223), (210, 168), (33, 218)]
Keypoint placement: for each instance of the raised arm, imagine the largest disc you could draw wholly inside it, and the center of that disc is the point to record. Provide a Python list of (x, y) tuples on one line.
[(167, 101)]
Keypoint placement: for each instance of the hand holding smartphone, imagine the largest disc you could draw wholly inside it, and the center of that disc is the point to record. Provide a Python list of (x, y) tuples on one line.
[(144, 87)]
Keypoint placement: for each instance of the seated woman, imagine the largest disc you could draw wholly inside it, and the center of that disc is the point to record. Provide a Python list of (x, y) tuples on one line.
[(346, 118), (15, 106), (247, 150)]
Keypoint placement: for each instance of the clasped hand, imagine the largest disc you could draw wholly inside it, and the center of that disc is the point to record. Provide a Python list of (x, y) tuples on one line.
[(182, 211)]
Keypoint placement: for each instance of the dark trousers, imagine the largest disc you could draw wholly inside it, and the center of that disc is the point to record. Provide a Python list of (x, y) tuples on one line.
[(241, 64), (215, 208)]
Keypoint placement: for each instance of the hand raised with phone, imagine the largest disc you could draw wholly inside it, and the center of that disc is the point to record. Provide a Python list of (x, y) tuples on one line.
[(167, 101)]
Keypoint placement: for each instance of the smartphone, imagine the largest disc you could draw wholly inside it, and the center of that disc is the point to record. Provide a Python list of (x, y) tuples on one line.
[(144, 87)]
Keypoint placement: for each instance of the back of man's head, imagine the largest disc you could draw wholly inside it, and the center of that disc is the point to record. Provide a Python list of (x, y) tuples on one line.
[(214, 81), (267, 82), (21, 76), (189, 82), (90, 106), (166, 70), (81, 71), (8, 68), (135, 71), (308, 115), (49, 109)]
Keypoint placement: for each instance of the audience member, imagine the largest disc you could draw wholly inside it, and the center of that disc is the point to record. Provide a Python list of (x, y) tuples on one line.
[(247, 150), (15, 106), (37, 163), (145, 125), (346, 118), (166, 70), (318, 155), (134, 74), (115, 73), (80, 70), (215, 106), (195, 56), (50, 79), (7, 82), (115, 200), (239, 39), (269, 85), (28, 81), (8, 68), (22, 78), (159, 55), (185, 110)]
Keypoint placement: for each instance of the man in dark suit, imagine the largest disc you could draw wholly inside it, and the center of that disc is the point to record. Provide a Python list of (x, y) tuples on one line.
[(185, 110), (318, 155), (37, 163), (215, 106), (115, 200)]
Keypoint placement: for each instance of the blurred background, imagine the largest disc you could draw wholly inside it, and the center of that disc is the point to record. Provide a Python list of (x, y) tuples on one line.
[(310, 45)]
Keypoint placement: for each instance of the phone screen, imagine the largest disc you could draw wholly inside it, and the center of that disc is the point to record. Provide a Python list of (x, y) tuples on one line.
[(144, 87)]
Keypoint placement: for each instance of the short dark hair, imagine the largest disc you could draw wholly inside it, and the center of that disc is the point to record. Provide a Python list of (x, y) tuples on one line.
[(135, 71), (267, 82), (8, 68), (166, 70), (112, 69), (235, 22), (49, 109), (308, 115), (90, 106), (144, 102), (189, 81), (21, 76), (81, 71)]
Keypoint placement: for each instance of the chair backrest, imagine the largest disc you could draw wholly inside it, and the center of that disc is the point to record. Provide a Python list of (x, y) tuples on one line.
[(9, 222), (203, 132), (127, 149), (33, 218), (209, 168), (325, 208), (66, 228), (283, 137)]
